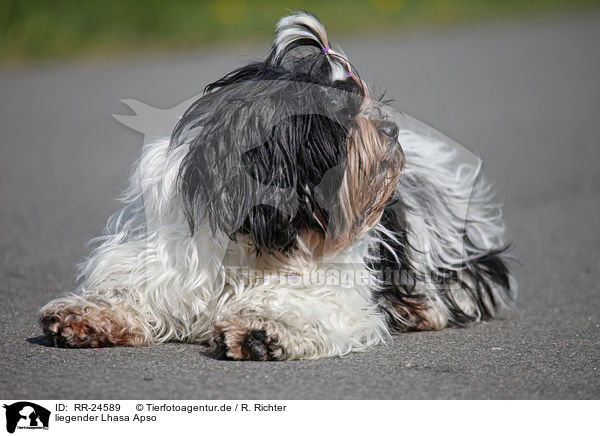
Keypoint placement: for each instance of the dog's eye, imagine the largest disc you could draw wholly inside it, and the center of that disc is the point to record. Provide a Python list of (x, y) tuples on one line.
[(389, 129)]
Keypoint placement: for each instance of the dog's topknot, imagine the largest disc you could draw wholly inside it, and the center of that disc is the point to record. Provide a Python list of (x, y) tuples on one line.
[(299, 30), (302, 34)]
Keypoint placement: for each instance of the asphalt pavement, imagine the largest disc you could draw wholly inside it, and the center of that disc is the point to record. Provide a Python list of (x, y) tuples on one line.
[(522, 94)]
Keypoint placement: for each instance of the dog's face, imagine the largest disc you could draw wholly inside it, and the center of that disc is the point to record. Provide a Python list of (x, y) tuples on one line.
[(374, 163), (288, 154)]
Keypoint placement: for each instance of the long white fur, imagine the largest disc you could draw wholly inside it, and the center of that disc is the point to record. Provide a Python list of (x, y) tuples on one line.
[(458, 202)]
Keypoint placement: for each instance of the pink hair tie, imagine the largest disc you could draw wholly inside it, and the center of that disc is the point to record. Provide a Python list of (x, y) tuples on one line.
[(349, 74), (326, 49)]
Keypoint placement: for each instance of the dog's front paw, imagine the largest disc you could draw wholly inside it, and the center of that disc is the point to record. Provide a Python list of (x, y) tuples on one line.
[(76, 323), (73, 331), (233, 340)]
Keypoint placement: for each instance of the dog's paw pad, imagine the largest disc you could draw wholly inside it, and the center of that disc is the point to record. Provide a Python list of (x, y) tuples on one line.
[(257, 345), (241, 344)]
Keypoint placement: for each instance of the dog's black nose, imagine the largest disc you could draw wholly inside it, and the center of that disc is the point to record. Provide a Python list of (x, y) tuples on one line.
[(389, 129)]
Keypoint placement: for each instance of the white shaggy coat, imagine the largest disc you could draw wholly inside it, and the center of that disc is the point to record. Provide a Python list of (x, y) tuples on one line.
[(171, 285)]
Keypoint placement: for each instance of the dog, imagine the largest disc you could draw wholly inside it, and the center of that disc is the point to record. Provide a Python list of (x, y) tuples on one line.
[(290, 216)]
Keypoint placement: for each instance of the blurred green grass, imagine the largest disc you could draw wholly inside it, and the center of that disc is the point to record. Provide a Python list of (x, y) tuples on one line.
[(32, 30)]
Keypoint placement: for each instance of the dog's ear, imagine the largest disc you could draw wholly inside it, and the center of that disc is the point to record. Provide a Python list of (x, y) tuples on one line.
[(303, 162)]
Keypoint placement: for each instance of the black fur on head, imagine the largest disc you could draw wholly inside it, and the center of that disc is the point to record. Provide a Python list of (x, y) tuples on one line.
[(268, 142)]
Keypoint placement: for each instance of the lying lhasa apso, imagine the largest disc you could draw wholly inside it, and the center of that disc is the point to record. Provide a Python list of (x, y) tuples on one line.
[(290, 216)]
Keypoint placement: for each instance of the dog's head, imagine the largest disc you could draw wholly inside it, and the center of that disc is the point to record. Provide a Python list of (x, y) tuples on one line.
[(289, 153)]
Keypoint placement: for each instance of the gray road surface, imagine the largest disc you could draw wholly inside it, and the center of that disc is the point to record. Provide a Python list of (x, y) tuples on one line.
[(524, 95)]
